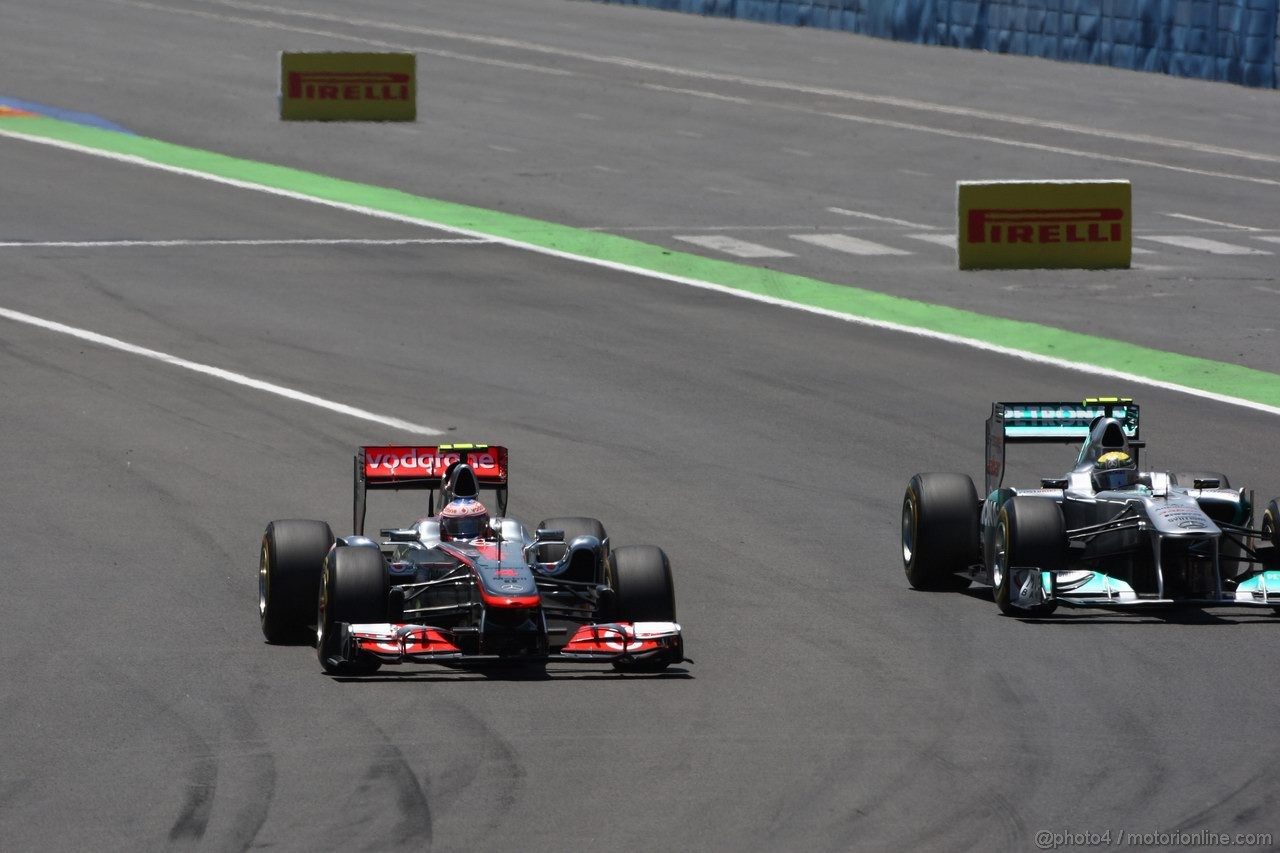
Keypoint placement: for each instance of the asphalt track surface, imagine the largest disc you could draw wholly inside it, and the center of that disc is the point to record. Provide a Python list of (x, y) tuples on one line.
[(830, 707)]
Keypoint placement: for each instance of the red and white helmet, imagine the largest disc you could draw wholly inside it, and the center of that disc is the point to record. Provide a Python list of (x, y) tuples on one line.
[(464, 518)]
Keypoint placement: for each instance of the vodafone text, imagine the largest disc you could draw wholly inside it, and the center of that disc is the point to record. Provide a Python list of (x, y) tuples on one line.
[(423, 460)]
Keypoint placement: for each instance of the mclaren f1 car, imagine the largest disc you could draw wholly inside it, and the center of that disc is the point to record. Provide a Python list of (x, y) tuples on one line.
[(460, 588), (1105, 534)]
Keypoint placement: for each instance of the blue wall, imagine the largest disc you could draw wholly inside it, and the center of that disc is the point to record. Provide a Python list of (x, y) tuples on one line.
[(1229, 40)]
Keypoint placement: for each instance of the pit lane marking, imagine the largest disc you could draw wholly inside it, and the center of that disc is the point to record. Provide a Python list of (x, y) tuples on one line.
[(217, 372)]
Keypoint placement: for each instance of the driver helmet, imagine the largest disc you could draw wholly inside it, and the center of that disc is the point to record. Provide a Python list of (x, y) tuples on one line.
[(1115, 470), (463, 518)]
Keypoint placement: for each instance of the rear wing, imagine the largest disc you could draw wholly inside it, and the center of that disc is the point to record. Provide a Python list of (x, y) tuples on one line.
[(1052, 423), (424, 468)]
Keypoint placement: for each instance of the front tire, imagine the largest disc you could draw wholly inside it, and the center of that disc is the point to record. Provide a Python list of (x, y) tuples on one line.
[(643, 592), (354, 589), (289, 567), (1030, 532), (939, 530)]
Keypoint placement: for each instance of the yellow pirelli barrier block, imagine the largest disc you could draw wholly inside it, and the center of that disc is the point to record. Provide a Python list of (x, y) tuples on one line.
[(348, 87), (1006, 225)]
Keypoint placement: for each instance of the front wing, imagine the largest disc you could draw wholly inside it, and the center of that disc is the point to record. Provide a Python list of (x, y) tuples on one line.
[(603, 643), (1032, 587)]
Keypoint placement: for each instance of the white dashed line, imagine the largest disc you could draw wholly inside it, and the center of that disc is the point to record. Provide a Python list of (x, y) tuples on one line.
[(861, 215), (845, 243), (217, 373), (1210, 221), (1203, 244), (739, 248), (948, 240)]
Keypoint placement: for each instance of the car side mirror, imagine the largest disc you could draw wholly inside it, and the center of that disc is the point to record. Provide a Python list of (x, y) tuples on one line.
[(549, 536), (1207, 483)]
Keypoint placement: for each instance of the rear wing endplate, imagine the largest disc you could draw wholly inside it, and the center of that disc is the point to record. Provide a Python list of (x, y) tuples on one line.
[(424, 467), (1051, 423)]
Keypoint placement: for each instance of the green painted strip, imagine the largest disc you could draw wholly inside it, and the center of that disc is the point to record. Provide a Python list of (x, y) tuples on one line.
[(1210, 377)]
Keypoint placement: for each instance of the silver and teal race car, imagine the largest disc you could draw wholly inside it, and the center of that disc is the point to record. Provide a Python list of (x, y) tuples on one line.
[(1106, 534)]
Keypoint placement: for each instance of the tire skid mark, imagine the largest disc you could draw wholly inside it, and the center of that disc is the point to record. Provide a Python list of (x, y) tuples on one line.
[(202, 774), (197, 806), (1240, 808), (391, 767), (492, 770), (257, 792)]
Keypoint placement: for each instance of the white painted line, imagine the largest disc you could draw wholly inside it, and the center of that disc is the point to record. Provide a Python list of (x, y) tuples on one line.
[(948, 240), (217, 373), (385, 45), (710, 96), (697, 283), (1210, 221), (845, 243), (1138, 250), (339, 241), (843, 212), (1203, 244), (740, 248), (1270, 238), (1036, 146)]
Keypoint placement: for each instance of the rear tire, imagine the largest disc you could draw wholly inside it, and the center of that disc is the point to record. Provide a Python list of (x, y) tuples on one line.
[(354, 589), (643, 592), (289, 567), (1029, 532), (939, 530)]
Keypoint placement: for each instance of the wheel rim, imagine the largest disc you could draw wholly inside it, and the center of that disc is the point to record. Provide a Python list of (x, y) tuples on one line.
[(264, 580), (908, 529), (321, 609), (999, 554), (1268, 528)]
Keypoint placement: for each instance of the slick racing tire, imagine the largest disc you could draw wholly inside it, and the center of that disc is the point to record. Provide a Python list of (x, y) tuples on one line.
[(573, 527), (289, 567), (643, 592), (1187, 479), (1029, 532), (354, 589), (939, 530)]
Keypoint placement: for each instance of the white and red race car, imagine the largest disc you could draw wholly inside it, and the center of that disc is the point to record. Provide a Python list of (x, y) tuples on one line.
[(435, 593)]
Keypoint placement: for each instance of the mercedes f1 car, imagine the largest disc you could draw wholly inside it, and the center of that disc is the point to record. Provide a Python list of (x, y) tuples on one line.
[(459, 588), (1105, 534)]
